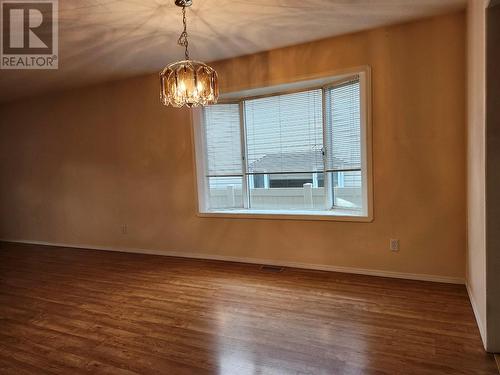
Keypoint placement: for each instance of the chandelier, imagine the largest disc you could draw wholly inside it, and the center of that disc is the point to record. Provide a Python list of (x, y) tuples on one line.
[(188, 82)]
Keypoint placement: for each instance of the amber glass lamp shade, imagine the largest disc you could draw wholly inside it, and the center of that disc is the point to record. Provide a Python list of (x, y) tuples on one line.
[(190, 83)]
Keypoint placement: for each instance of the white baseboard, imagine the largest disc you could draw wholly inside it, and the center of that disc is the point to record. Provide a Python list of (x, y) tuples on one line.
[(482, 328), (282, 263)]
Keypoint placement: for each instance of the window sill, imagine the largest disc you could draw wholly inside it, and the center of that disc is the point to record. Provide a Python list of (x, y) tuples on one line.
[(331, 215)]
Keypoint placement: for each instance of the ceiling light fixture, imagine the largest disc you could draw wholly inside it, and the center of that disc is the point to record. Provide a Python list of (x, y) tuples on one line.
[(188, 82)]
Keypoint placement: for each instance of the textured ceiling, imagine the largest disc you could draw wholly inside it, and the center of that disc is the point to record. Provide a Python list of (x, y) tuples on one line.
[(109, 39)]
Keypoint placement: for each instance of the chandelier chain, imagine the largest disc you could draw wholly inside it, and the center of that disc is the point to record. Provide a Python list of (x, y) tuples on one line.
[(183, 38)]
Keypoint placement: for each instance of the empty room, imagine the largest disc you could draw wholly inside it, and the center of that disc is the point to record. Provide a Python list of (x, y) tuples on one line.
[(250, 187)]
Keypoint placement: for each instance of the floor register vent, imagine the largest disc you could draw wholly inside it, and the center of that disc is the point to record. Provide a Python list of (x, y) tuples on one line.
[(273, 269)]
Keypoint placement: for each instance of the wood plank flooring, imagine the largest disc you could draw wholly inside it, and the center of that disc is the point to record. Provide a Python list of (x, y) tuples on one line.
[(69, 311)]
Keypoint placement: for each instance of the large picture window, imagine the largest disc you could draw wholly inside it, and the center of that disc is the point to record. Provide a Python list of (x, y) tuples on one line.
[(303, 152)]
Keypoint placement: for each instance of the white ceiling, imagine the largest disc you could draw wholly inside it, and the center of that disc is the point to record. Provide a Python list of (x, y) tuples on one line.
[(110, 39)]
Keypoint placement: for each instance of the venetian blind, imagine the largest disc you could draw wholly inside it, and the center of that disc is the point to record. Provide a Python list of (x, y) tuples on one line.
[(223, 140), (343, 124), (284, 133)]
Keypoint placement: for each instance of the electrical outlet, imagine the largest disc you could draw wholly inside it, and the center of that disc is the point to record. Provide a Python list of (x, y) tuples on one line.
[(124, 229), (394, 244)]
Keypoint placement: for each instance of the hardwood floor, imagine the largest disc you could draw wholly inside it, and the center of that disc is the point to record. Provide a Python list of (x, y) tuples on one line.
[(68, 311)]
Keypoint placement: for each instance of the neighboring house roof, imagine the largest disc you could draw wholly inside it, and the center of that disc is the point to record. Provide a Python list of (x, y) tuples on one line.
[(290, 162)]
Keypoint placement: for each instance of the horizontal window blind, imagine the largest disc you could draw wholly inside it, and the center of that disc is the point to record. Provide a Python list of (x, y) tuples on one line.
[(284, 133), (343, 124), (223, 140)]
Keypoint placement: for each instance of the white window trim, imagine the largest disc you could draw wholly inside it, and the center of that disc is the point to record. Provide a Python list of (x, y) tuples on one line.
[(334, 214)]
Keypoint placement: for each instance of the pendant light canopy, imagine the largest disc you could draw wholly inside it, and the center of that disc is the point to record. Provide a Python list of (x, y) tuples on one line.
[(188, 82)]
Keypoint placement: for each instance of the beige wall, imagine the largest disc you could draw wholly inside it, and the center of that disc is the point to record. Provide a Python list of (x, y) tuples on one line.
[(476, 168), (493, 177), (78, 165)]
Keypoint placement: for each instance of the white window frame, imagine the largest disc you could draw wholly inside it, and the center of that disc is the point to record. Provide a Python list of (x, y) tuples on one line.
[(334, 214)]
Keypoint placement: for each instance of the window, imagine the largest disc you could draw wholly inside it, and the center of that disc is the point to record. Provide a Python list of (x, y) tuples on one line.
[(287, 153)]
